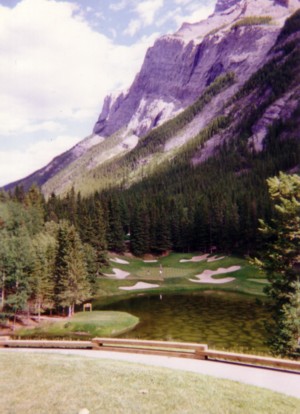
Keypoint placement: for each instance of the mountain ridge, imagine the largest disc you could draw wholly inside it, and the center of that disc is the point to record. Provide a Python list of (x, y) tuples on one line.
[(242, 47)]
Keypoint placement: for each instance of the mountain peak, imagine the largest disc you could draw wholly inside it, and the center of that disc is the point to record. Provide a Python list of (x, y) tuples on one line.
[(179, 63), (229, 5), (177, 71)]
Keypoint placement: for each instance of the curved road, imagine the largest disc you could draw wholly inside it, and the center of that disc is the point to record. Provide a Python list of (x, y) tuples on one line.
[(281, 381)]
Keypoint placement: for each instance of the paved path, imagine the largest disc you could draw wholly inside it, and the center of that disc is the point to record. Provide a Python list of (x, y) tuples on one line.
[(284, 382)]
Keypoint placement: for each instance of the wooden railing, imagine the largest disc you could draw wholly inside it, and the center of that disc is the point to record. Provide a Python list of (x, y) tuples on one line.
[(253, 360), (32, 343), (176, 349)]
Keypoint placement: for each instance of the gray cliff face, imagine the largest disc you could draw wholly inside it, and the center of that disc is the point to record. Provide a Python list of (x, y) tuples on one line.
[(177, 68), (175, 72), (223, 5)]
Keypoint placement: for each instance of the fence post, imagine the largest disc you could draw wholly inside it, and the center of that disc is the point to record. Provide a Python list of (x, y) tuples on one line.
[(200, 352)]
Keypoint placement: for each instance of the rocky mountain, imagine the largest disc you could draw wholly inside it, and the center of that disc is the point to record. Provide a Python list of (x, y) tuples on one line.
[(179, 67), (188, 82)]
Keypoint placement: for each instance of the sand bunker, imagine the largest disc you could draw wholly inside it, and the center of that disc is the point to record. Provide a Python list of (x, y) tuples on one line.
[(195, 259), (215, 258), (139, 285), (150, 261), (118, 274), (206, 276), (120, 261)]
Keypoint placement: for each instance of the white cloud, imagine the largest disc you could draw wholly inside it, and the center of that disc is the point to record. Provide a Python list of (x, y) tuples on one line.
[(194, 14), (133, 27), (55, 71), (118, 6), (187, 11), (113, 32), (171, 15), (49, 126), (182, 2), (202, 13), (147, 10), (52, 63), (16, 164)]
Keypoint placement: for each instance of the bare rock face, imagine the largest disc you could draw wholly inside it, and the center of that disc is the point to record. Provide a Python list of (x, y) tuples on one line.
[(175, 72), (284, 3), (223, 5), (178, 67), (280, 109)]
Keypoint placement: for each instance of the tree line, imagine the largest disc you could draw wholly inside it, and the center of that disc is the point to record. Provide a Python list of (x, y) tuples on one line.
[(44, 263)]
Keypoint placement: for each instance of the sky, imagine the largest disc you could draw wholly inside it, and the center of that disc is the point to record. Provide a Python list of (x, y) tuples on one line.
[(58, 61)]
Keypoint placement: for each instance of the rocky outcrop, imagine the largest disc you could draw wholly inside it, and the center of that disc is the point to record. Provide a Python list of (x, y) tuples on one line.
[(175, 72), (282, 109), (178, 67), (224, 5)]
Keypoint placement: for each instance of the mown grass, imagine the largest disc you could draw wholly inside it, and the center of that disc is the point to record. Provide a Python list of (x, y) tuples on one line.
[(84, 325), (175, 276), (60, 384)]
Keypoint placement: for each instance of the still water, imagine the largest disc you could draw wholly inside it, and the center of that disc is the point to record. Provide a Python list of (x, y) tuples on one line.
[(223, 321)]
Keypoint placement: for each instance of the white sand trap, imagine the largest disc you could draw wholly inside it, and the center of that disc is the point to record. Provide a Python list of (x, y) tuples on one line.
[(215, 258), (150, 261), (120, 261), (206, 276), (139, 285), (118, 274), (195, 259)]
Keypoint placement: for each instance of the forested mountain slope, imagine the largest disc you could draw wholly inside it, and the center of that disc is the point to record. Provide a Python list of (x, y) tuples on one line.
[(241, 127), (211, 192), (190, 87)]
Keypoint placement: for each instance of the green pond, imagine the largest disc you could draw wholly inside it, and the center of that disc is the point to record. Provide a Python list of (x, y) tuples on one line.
[(221, 320)]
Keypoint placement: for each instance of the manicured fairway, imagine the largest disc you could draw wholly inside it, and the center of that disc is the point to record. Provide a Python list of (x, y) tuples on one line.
[(174, 273)]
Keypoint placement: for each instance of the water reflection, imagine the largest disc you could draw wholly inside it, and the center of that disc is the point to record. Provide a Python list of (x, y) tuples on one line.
[(223, 321)]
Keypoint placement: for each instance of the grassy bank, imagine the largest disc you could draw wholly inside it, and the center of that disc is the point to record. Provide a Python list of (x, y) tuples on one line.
[(83, 325), (63, 384)]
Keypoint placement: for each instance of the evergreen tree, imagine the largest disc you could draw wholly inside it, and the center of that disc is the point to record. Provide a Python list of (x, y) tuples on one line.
[(41, 280), (115, 233), (52, 208), (35, 204), (163, 233), (72, 285), (281, 262), (4, 264), (139, 231), (61, 265), (19, 194), (98, 238), (71, 207), (290, 323), (92, 269), (19, 265)]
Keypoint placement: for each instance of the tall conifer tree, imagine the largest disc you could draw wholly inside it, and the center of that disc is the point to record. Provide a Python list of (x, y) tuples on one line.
[(281, 262), (72, 284)]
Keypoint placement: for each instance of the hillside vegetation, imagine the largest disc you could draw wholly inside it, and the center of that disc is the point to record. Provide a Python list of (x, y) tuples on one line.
[(129, 166), (179, 202)]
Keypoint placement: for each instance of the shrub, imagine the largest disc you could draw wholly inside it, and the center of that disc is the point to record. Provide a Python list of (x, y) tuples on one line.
[(252, 21)]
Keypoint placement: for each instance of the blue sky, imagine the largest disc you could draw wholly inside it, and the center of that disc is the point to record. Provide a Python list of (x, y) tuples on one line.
[(60, 58)]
